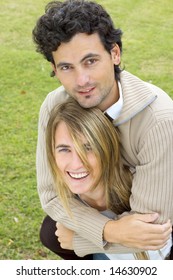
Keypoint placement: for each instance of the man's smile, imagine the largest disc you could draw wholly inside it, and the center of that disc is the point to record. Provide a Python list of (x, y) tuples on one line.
[(86, 91)]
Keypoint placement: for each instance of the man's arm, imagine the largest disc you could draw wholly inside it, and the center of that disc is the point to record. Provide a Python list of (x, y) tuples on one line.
[(132, 234), (152, 187)]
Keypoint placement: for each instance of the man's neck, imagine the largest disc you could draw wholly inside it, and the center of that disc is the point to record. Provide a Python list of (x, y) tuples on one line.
[(111, 99)]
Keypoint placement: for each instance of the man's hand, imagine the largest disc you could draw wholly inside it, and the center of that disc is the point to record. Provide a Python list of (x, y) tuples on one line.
[(138, 231), (65, 236)]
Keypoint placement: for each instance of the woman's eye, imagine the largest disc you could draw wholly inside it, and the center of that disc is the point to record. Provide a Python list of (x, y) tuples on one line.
[(87, 147), (63, 150)]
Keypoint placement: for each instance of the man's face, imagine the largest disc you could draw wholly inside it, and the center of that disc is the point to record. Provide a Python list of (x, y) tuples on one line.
[(86, 70)]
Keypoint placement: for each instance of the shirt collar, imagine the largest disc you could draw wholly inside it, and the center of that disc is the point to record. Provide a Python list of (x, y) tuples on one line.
[(114, 110)]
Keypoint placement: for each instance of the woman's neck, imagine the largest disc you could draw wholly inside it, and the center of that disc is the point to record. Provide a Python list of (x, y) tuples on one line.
[(95, 198)]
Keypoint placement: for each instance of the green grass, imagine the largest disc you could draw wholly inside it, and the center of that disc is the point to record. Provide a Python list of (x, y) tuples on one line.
[(25, 82)]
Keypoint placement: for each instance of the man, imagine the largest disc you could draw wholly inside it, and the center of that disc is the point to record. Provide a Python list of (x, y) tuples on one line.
[(84, 48)]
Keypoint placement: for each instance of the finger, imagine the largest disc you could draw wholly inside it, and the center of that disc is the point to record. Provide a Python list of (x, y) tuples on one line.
[(58, 225), (159, 229), (156, 247), (148, 218), (167, 226)]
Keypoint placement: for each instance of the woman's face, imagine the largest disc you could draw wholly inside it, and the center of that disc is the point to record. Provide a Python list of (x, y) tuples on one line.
[(77, 177)]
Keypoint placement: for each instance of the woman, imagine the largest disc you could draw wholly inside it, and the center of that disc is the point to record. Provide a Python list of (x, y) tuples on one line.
[(82, 148)]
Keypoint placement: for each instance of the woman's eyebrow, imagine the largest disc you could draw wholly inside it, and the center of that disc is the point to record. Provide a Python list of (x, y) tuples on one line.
[(62, 146)]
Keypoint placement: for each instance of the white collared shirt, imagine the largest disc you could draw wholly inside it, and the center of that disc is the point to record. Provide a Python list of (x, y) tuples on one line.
[(115, 110)]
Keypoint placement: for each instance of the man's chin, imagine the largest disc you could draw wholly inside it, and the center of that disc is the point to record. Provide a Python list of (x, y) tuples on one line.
[(88, 103)]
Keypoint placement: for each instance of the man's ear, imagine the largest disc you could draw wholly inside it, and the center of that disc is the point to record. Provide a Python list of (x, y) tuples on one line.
[(53, 73), (116, 55)]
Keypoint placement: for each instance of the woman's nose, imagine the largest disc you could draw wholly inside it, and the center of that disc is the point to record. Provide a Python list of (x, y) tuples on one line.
[(76, 161)]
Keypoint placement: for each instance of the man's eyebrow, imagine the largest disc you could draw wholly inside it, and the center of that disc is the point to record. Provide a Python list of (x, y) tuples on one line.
[(89, 55)]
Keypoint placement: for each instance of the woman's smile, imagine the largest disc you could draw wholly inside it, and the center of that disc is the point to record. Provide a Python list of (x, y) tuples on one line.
[(78, 176)]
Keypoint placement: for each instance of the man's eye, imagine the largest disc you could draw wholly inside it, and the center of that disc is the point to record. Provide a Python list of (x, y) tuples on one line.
[(65, 68), (91, 61)]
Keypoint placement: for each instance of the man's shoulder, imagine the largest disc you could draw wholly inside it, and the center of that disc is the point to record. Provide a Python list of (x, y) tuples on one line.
[(54, 97), (58, 94)]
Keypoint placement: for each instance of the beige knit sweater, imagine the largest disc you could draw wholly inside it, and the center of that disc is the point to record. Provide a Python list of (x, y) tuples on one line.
[(146, 127)]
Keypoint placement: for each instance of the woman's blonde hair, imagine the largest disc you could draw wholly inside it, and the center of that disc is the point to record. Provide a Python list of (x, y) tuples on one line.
[(103, 139)]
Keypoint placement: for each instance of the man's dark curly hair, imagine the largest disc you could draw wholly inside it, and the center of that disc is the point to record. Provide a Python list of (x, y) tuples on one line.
[(63, 20)]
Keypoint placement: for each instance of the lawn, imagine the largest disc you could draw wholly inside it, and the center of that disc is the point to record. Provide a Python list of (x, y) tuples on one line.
[(25, 82)]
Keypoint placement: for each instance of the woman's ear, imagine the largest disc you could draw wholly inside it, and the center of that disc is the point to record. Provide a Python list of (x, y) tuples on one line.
[(116, 55)]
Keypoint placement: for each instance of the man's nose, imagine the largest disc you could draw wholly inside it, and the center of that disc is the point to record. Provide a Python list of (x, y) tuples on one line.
[(82, 78)]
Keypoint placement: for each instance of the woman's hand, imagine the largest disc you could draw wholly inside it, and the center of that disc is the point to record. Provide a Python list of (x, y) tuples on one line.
[(65, 236)]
